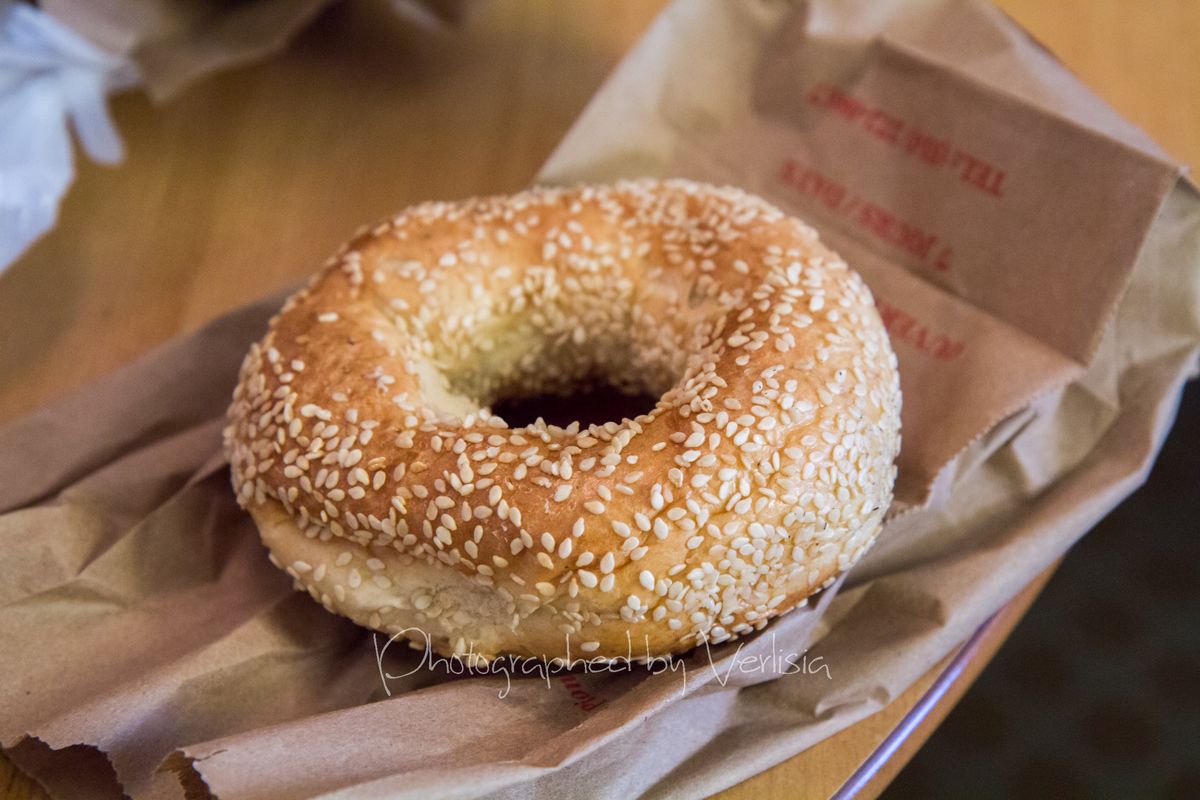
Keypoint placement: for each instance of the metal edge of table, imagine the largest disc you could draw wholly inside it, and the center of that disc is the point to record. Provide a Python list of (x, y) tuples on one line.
[(875, 762), (952, 683), (881, 745)]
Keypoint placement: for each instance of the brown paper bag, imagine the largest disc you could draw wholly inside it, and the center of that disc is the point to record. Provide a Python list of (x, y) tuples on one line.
[(174, 43), (1035, 259)]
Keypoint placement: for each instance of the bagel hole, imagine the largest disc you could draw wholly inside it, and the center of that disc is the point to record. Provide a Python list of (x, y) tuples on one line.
[(589, 350), (587, 405)]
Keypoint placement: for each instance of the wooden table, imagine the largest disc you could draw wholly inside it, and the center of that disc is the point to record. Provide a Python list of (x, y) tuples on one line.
[(236, 188)]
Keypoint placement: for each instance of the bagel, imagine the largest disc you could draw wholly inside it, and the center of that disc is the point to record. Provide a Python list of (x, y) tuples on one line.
[(361, 439)]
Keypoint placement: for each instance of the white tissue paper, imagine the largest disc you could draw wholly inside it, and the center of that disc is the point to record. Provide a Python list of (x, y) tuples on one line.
[(48, 74)]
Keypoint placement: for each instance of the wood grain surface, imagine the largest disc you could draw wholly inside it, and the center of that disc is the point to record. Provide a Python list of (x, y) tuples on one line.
[(15, 785), (243, 183)]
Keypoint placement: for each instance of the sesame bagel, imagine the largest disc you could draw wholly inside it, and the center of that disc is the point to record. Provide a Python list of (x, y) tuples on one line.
[(362, 440)]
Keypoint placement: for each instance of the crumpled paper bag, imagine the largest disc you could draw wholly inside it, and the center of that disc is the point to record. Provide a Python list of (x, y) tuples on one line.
[(175, 43), (1035, 259)]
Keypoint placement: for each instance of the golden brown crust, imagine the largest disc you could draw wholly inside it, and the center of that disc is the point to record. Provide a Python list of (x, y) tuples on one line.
[(361, 440)]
